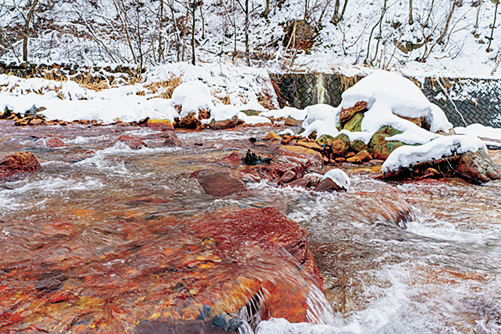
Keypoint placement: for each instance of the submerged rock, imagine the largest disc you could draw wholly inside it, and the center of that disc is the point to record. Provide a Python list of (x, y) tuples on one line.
[(18, 164), (219, 182)]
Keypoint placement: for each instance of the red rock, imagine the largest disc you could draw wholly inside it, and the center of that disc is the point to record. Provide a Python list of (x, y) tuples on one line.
[(272, 172), (233, 159), (327, 185), (125, 138), (53, 142), (301, 183), (287, 177), (171, 139), (347, 114), (18, 164), (219, 182), (136, 144)]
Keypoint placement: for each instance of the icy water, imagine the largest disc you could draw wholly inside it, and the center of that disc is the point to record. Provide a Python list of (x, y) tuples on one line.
[(437, 272)]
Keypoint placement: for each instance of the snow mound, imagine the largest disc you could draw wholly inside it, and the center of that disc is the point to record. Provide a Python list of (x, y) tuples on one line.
[(321, 112), (387, 95), (406, 156), (192, 96)]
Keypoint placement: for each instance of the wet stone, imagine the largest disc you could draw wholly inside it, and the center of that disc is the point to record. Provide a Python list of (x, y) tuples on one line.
[(219, 182)]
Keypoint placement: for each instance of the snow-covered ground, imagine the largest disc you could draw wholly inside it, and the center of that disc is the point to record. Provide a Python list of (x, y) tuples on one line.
[(91, 33)]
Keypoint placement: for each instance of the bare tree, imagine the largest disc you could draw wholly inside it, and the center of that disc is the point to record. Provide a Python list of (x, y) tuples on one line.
[(27, 17)]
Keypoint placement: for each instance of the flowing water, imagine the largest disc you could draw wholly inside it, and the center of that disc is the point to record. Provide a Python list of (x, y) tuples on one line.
[(104, 218)]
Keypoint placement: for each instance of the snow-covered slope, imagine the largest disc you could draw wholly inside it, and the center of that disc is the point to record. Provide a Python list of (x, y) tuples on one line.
[(446, 38)]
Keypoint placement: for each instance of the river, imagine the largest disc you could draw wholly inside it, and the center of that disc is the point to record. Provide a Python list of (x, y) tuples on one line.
[(436, 270)]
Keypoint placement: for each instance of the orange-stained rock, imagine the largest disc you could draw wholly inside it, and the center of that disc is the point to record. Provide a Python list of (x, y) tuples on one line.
[(360, 157), (289, 121), (160, 124), (272, 136), (312, 157), (347, 114), (18, 164), (219, 182), (309, 145)]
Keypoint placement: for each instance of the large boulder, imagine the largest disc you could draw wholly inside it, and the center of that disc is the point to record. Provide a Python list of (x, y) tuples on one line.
[(477, 167), (380, 147), (219, 182), (18, 164), (205, 274)]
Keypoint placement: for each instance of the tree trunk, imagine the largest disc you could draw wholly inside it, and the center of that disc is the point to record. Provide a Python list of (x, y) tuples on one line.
[(493, 26), (247, 52), (193, 17), (267, 9), (161, 19), (446, 27), (478, 14), (411, 19), (27, 29)]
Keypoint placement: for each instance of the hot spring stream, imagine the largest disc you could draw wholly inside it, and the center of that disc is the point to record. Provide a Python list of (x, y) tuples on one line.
[(89, 227)]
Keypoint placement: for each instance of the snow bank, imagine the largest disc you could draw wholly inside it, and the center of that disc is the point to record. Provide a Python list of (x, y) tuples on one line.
[(480, 131), (244, 85), (406, 156), (295, 113)]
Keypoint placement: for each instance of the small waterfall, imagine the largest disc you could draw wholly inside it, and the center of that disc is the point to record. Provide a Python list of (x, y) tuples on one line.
[(320, 89)]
